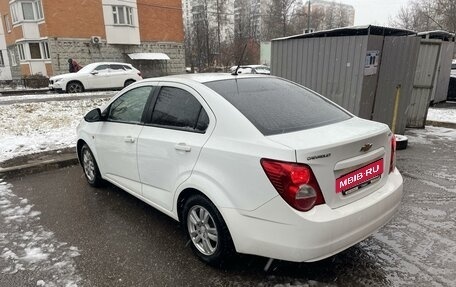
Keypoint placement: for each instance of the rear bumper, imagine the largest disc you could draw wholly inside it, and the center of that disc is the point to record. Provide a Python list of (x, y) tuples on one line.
[(277, 231)]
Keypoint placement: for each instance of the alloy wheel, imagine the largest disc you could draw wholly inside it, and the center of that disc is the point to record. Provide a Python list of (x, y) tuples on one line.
[(75, 88), (202, 229), (89, 165)]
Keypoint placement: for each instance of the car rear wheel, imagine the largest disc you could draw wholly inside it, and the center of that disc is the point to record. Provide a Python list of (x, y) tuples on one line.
[(128, 82), (207, 231), (75, 87), (90, 167)]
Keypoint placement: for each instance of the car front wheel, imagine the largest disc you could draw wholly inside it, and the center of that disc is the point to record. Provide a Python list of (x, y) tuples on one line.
[(90, 167), (75, 87), (207, 231)]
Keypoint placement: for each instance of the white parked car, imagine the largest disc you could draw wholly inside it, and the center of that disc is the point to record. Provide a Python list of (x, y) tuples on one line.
[(96, 76), (249, 163), (251, 69)]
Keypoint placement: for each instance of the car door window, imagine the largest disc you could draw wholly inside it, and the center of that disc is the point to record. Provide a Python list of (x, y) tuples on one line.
[(177, 108), (129, 107), (102, 68)]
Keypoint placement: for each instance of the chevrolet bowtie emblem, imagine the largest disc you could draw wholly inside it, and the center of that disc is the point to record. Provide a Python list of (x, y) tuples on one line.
[(366, 147)]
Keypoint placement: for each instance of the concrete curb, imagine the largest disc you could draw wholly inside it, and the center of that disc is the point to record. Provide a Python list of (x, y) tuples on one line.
[(45, 165), (441, 124)]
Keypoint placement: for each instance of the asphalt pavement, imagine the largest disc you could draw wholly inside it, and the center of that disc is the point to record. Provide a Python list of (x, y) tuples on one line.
[(56, 230)]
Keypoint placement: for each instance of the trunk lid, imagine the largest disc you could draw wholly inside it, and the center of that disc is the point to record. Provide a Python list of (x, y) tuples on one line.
[(350, 159)]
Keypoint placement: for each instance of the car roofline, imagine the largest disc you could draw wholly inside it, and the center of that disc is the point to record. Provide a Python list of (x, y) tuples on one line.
[(205, 77)]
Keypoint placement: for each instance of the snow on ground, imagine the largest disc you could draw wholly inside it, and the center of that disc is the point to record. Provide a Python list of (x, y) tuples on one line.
[(442, 115), (25, 245), (51, 96), (426, 135), (28, 128)]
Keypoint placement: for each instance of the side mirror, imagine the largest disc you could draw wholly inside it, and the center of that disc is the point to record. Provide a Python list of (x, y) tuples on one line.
[(94, 72), (94, 116)]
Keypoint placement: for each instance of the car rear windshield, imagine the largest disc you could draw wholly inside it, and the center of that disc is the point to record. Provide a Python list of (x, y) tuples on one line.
[(276, 106)]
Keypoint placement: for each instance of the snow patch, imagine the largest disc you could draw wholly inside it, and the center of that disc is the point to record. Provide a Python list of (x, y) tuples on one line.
[(25, 245), (442, 115), (430, 133), (28, 128)]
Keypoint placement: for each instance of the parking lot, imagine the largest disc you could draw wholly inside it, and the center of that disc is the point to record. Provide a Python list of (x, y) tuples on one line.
[(58, 231)]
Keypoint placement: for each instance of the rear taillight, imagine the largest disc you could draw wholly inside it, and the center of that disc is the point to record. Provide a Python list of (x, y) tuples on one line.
[(295, 183), (393, 154)]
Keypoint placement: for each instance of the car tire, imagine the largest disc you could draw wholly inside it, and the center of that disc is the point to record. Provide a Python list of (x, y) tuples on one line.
[(74, 87), (207, 232), (90, 167), (401, 142), (128, 82)]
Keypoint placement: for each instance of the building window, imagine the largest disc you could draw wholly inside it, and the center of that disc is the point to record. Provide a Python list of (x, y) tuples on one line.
[(38, 9), (14, 12), (2, 63), (13, 58), (7, 23), (21, 51), (26, 11), (35, 51), (122, 15), (45, 49)]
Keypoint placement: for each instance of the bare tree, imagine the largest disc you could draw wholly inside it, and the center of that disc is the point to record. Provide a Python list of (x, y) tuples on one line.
[(330, 16), (425, 15), (342, 16), (298, 21), (278, 17)]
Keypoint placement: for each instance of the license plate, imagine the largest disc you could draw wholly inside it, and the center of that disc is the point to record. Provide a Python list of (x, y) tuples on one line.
[(360, 177)]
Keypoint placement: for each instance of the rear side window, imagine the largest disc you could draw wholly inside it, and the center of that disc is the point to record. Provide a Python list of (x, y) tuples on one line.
[(276, 106), (117, 67), (177, 108)]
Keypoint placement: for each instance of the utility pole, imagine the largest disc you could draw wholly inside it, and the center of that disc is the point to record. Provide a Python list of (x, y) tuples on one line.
[(308, 17)]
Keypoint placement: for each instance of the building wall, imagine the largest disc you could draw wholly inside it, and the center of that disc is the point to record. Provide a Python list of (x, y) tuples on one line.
[(72, 19), (85, 53), (5, 70), (69, 26), (160, 20)]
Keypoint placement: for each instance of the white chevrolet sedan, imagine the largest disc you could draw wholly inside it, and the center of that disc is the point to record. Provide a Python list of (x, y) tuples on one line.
[(249, 163), (96, 76)]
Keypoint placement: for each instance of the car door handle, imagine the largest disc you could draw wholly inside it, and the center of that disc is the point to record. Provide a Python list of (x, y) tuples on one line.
[(129, 139), (183, 147)]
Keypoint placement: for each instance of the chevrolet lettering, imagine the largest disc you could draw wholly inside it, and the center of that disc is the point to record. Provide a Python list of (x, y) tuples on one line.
[(319, 156)]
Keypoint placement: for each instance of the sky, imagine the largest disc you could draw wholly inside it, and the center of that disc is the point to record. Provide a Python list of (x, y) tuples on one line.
[(374, 11)]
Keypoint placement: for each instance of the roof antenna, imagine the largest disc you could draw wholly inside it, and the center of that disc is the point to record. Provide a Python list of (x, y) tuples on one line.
[(240, 60)]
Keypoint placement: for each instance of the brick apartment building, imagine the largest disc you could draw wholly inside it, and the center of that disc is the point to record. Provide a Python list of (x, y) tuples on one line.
[(38, 36)]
